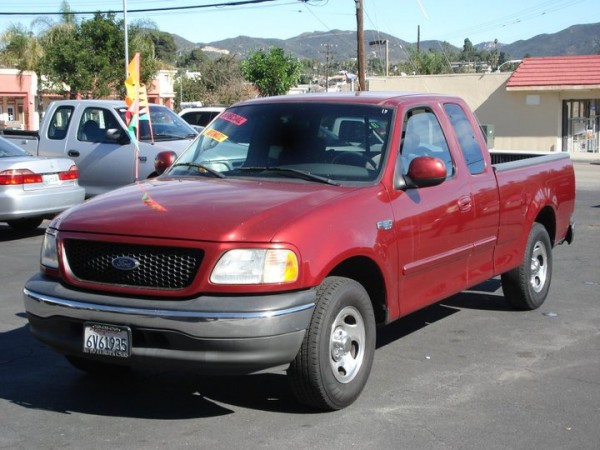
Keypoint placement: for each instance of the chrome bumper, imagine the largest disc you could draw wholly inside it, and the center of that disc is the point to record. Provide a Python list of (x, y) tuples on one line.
[(214, 334)]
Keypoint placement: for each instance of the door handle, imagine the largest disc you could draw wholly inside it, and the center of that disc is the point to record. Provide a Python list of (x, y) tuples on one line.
[(465, 203), (73, 153)]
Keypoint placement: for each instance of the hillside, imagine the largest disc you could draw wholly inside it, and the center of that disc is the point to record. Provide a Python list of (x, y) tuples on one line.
[(341, 45), (575, 40)]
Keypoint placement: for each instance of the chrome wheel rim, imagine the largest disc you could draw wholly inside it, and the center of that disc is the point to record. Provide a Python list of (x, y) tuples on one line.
[(539, 267), (347, 344)]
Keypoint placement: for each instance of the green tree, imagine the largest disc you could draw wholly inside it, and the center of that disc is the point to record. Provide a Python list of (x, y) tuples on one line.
[(19, 48), (164, 46), (217, 82), (426, 63), (273, 73), (468, 53), (376, 66), (193, 59), (89, 58)]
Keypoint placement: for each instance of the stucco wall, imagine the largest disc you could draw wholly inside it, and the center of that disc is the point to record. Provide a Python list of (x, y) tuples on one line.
[(17, 90), (522, 120)]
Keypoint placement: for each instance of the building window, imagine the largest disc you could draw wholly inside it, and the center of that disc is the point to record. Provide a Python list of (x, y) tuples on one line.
[(581, 126)]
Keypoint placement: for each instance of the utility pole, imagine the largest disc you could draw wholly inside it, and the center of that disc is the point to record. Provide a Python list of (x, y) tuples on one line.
[(126, 38), (387, 52), (360, 46), (327, 62)]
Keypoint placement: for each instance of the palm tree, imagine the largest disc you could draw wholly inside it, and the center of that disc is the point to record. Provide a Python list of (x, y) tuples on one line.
[(19, 48)]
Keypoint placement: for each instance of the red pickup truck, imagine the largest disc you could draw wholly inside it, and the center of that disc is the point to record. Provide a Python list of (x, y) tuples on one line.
[(288, 231)]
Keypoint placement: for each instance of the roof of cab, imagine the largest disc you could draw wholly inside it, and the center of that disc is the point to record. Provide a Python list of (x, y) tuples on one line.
[(363, 97)]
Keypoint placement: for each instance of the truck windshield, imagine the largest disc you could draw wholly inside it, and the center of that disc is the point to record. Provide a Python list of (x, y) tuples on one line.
[(314, 142), (164, 125)]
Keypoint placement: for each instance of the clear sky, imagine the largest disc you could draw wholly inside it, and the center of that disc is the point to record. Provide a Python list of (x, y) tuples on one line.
[(446, 20)]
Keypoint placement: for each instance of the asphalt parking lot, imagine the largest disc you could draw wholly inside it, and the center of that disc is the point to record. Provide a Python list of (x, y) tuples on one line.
[(467, 373)]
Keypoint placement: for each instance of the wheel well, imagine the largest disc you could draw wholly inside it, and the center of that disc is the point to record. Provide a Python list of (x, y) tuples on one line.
[(367, 273), (547, 218)]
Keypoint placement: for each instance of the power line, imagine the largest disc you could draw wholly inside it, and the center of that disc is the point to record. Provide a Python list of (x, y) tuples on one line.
[(170, 8)]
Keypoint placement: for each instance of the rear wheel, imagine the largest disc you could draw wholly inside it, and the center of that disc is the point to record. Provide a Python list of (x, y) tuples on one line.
[(526, 287), (28, 224), (334, 362)]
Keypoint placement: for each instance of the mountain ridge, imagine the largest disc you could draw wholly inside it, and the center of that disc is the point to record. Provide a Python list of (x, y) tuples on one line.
[(341, 44)]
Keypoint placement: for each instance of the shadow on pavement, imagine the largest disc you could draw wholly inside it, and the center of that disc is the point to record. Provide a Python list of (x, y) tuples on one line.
[(33, 376), (8, 234)]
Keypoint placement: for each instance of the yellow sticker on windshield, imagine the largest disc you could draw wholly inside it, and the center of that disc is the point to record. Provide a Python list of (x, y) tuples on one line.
[(216, 135)]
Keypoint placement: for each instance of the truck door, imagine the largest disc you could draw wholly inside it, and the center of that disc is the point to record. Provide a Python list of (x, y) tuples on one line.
[(434, 241), (103, 164), (483, 226)]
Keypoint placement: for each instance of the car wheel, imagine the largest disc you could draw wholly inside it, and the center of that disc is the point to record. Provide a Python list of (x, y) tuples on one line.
[(96, 368), (28, 224), (526, 286), (335, 359)]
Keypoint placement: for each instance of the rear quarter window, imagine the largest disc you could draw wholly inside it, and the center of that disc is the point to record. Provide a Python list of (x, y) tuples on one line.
[(467, 138)]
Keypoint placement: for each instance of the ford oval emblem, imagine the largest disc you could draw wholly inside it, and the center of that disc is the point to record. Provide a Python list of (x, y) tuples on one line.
[(125, 263)]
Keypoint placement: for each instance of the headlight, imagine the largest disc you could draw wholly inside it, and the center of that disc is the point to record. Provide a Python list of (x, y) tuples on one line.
[(49, 254), (256, 266)]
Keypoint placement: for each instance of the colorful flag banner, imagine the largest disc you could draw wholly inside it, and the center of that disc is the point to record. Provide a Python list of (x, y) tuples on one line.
[(137, 107)]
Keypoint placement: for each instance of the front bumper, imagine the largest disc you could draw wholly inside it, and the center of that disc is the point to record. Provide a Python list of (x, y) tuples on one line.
[(211, 334)]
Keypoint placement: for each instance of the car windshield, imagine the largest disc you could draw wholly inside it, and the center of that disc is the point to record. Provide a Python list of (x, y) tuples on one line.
[(8, 149), (163, 125), (315, 142)]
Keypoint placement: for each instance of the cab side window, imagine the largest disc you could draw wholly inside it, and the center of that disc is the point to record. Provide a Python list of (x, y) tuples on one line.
[(60, 123), (467, 139), (93, 125), (423, 136)]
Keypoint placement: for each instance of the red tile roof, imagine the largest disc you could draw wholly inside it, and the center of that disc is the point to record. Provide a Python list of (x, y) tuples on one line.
[(556, 72)]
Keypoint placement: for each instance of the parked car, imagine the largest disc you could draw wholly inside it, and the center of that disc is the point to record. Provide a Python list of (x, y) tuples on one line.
[(33, 188), (93, 133), (202, 116)]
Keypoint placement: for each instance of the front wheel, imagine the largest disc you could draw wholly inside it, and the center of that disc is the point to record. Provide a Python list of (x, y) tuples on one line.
[(334, 362), (526, 286)]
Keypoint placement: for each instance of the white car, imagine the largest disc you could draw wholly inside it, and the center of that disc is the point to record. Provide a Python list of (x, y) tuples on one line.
[(202, 116), (34, 188)]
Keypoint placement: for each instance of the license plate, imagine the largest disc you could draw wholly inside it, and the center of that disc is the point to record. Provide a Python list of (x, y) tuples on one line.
[(50, 178), (107, 340)]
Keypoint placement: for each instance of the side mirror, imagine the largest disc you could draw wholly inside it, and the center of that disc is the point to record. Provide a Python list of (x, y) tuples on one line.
[(163, 161), (117, 135), (425, 171)]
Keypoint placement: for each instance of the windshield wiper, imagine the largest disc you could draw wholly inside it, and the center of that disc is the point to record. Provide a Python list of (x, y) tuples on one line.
[(299, 173), (165, 136), (201, 168)]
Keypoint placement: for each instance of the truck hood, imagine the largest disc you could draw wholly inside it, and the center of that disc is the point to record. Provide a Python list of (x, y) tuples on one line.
[(217, 210)]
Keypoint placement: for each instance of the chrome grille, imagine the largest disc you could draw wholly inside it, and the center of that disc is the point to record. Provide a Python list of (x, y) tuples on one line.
[(159, 267)]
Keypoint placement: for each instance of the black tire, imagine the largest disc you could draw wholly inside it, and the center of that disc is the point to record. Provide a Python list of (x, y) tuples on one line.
[(526, 287), (335, 359), (28, 224), (96, 368)]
